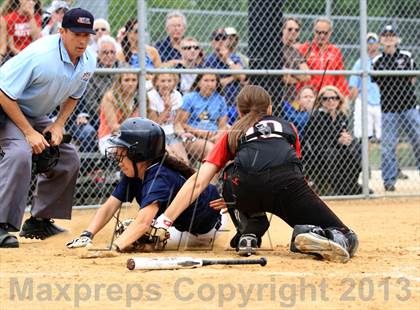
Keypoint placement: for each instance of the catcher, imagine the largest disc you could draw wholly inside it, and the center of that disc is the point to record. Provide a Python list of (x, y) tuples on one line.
[(153, 178), (266, 176)]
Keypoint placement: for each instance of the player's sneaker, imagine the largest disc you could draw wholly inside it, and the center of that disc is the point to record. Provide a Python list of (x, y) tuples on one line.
[(39, 228), (312, 243), (247, 245)]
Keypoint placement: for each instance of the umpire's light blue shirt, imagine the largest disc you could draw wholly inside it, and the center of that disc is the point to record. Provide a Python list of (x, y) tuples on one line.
[(42, 76)]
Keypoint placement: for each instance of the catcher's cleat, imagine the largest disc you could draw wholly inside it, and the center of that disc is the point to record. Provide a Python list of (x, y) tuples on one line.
[(247, 245), (39, 229), (312, 243)]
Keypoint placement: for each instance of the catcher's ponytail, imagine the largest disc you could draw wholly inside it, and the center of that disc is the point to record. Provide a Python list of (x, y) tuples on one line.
[(252, 103)]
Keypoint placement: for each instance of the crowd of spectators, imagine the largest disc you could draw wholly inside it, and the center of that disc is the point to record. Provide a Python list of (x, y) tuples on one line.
[(193, 108)]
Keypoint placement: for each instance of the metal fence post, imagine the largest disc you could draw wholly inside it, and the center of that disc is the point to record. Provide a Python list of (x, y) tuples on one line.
[(328, 8), (364, 98), (141, 19)]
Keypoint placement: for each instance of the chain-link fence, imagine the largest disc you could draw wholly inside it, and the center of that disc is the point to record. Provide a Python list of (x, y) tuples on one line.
[(349, 145)]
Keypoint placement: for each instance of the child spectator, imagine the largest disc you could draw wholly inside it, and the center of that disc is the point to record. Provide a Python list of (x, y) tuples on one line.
[(164, 101), (203, 114)]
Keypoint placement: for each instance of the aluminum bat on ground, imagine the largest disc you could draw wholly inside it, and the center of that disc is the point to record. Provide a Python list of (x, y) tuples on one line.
[(145, 263)]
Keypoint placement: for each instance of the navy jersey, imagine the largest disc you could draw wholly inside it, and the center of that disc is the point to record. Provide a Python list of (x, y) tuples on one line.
[(161, 184)]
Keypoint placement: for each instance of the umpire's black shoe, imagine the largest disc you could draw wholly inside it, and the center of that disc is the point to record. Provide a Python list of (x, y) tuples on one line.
[(39, 228)]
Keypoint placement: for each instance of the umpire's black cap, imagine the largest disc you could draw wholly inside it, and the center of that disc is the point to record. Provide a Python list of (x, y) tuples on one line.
[(78, 20)]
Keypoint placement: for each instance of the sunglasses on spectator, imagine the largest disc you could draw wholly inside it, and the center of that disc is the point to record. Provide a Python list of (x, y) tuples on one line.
[(219, 37), (322, 32), (191, 47), (293, 29), (99, 29), (107, 52), (335, 98), (388, 34)]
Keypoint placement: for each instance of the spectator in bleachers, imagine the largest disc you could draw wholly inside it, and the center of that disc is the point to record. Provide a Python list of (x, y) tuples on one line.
[(191, 59), (332, 158), (53, 16), (398, 103), (169, 48), (129, 52), (222, 58), (299, 112), (320, 54), (119, 103), (164, 101), (20, 24), (203, 114), (84, 124), (233, 42), (373, 98), (101, 27), (292, 59)]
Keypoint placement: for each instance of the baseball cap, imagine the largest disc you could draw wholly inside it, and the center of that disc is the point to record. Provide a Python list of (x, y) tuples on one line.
[(57, 5), (219, 34), (78, 20), (372, 38), (230, 31), (389, 29)]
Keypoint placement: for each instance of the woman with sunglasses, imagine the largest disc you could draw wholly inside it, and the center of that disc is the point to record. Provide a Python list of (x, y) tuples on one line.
[(332, 156)]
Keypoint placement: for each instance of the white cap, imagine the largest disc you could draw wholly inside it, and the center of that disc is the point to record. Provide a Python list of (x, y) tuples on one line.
[(56, 5), (230, 31), (372, 37)]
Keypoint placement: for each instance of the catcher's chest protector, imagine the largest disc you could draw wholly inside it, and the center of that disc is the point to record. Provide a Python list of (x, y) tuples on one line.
[(267, 144)]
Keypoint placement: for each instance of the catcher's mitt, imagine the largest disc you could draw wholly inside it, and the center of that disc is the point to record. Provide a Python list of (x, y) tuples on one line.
[(154, 239)]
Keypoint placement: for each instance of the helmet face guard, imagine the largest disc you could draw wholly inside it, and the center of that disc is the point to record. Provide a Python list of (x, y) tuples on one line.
[(113, 154)]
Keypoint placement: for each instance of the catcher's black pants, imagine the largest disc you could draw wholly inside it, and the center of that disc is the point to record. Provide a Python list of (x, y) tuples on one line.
[(282, 191)]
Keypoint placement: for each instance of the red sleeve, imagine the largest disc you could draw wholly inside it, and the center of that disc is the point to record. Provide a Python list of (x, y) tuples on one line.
[(303, 48), (297, 142), (220, 154), (38, 20)]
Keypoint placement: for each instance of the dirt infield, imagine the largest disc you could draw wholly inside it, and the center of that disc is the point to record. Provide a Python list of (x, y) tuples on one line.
[(385, 274)]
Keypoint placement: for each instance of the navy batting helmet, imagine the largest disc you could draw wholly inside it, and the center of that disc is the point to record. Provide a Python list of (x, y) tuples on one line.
[(143, 138)]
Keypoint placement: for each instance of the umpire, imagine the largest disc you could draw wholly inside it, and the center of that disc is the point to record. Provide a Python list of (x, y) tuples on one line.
[(53, 71)]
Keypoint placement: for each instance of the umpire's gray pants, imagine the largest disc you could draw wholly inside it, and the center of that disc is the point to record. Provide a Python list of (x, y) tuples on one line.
[(53, 196)]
